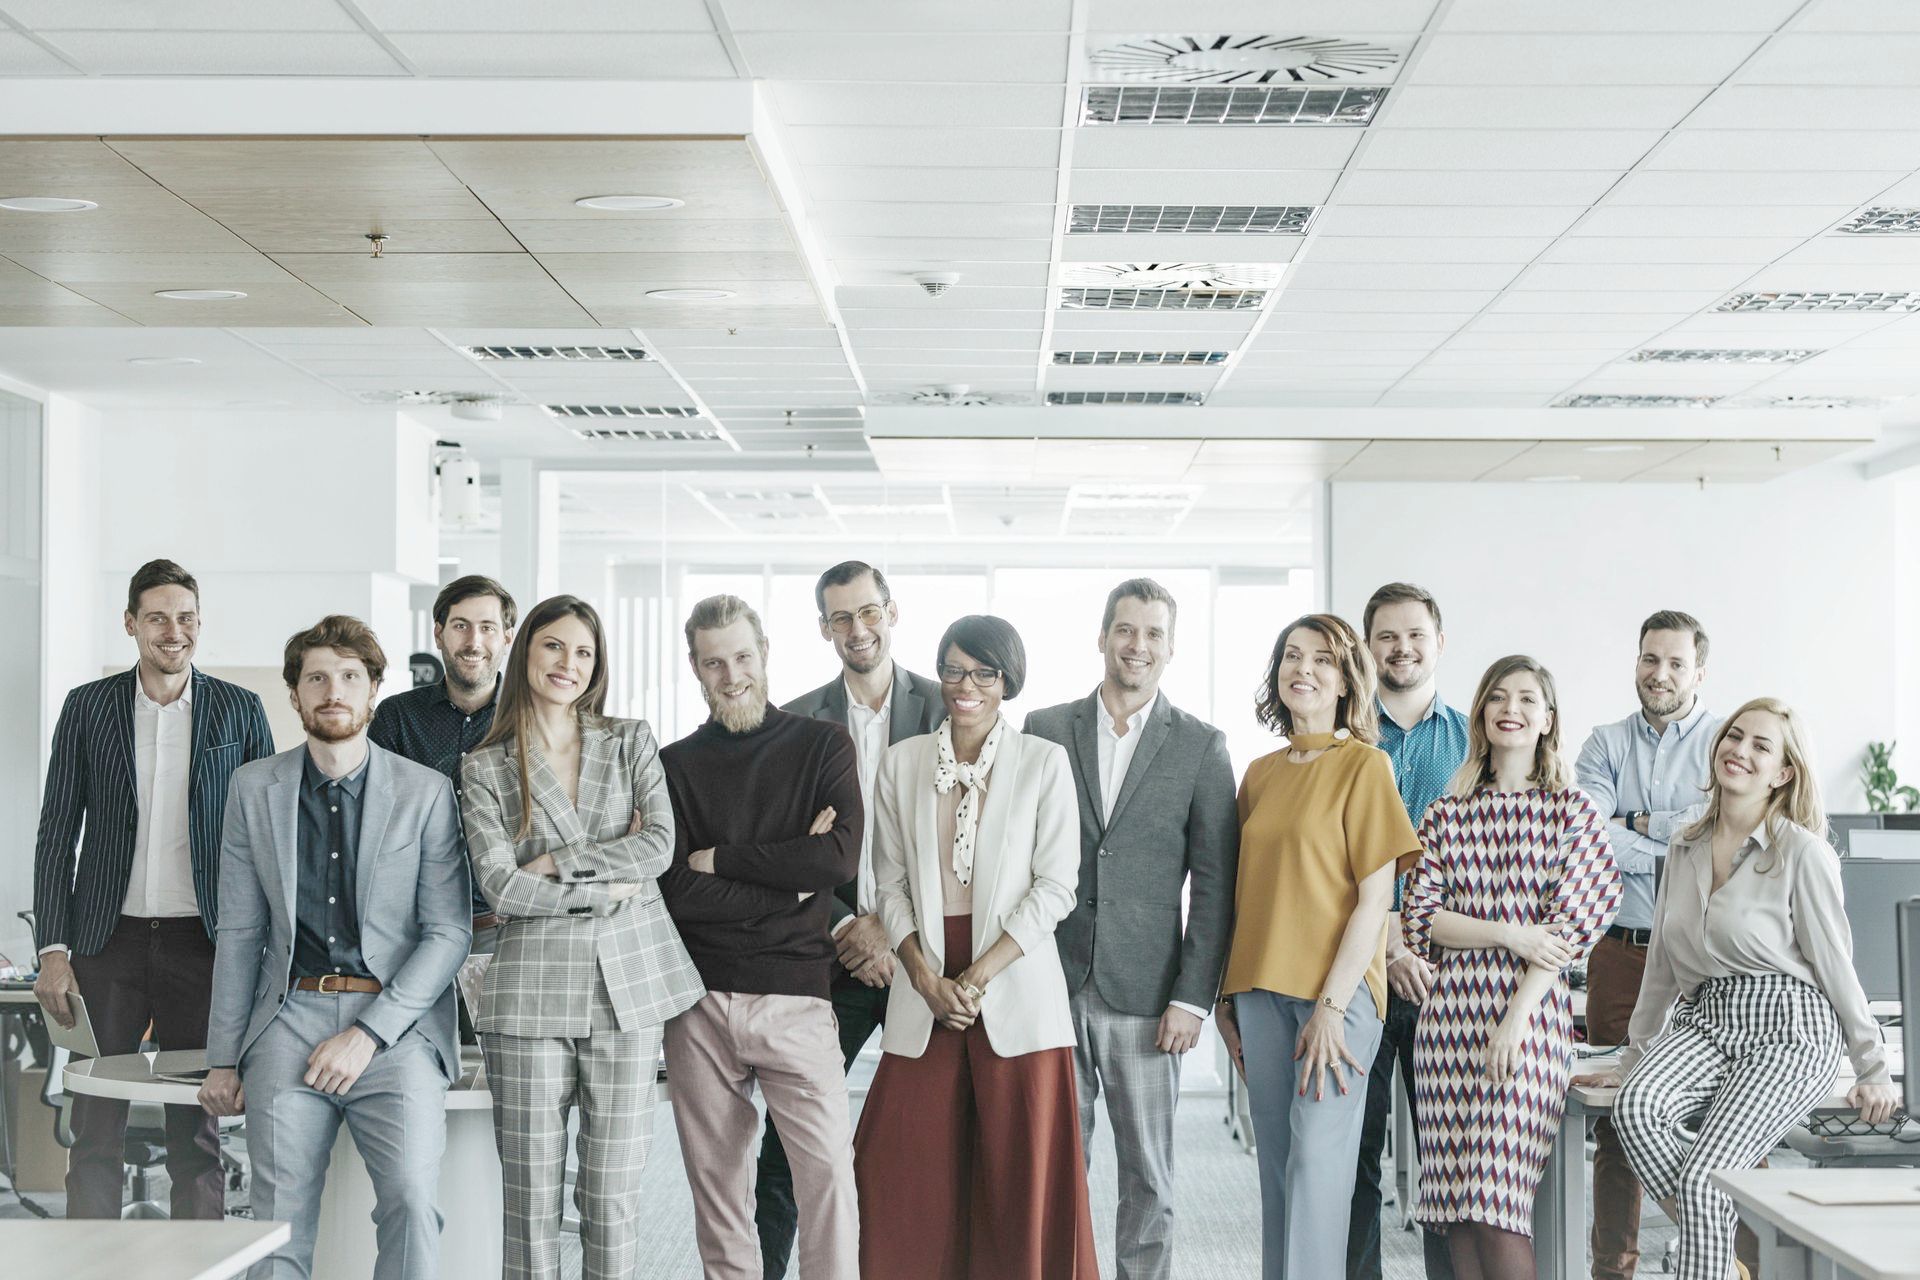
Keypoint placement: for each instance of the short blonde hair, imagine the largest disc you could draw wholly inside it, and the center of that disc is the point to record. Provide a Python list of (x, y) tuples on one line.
[(716, 613), (1549, 766)]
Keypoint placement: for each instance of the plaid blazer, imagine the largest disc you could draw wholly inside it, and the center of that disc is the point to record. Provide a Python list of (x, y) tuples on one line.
[(558, 933)]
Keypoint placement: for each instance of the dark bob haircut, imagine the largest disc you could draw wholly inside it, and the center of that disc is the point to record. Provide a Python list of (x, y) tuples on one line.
[(991, 642)]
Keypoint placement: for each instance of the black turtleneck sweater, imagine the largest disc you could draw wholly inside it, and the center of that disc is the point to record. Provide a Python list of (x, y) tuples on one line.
[(750, 797)]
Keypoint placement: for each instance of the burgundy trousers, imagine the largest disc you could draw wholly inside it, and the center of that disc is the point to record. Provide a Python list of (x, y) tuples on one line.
[(969, 1164), (156, 972)]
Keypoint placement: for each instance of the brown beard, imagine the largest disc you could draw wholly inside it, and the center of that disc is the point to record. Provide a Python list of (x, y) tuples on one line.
[(738, 717), (326, 732)]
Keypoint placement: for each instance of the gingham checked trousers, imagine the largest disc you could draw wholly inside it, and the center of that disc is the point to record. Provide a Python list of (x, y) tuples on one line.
[(609, 1077), (1750, 1056)]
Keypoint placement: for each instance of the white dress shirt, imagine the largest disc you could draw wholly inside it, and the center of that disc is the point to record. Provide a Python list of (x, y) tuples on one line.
[(1116, 757), (870, 730), (162, 880)]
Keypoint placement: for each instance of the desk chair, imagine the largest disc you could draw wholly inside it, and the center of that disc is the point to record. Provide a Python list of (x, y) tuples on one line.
[(146, 1140)]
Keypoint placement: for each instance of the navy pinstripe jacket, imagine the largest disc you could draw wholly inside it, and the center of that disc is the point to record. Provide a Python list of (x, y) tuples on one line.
[(91, 788)]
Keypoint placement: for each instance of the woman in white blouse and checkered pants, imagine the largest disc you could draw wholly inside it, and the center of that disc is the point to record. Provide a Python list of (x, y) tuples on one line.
[(1751, 938)]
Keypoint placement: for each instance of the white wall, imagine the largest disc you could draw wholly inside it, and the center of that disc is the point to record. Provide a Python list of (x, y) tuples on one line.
[(1794, 582)]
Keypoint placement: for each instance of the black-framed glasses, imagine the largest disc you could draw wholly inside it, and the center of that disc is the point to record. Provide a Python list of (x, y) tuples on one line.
[(868, 614), (983, 677)]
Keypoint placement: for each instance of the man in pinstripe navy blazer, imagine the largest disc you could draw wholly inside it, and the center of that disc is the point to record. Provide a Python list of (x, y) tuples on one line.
[(138, 783)]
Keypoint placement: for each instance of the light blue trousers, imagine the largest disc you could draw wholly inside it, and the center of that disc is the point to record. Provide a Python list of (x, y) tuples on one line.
[(396, 1112), (1308, 1150)]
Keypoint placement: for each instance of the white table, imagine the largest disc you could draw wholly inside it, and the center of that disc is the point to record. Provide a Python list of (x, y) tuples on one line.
[(344, 1247), (1560, 1210), (148, 1248), (1800, 1240)]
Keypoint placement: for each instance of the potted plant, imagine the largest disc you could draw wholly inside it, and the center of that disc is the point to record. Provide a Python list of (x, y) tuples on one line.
[(1883, 786)]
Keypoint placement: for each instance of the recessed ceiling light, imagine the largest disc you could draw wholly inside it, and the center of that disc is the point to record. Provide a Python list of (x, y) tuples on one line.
[(1211, 219), (628, 204), (46, 204), (1613, 448), (1624, 400), (1882, 221), (1139, 357), (1722, 355), (689, 295), (1162, 299), (199, 295), (1819, 300), (1556, 479), (1144, 105), (1125, 397), (163, 362)]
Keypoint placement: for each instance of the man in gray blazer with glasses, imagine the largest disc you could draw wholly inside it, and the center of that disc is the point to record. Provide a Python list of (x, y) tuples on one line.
[(1157, 814)]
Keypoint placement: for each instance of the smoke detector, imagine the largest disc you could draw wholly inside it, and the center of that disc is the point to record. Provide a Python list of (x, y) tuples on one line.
[(936, 282)]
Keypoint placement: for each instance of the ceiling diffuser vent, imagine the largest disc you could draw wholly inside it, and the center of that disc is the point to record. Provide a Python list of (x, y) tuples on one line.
[(650, 435), (1243, 59), (1162, 299), (1720, 355), (1835, 301), (556, 353), (619, 411), (1252, 105), (953, 395), (1125, 397), (1140, 357), (1173, 275), (1190, 219), (1880, 221), (1622, 401)]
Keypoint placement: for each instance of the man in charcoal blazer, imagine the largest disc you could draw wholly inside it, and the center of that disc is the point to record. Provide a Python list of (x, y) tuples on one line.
[(125, 876), (1157, 813), (879, 702)]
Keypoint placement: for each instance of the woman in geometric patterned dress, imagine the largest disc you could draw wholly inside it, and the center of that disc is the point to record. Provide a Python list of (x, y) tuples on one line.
[(1516, 881)]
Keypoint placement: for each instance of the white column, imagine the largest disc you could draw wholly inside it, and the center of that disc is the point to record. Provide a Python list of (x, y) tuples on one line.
[(529, 532)]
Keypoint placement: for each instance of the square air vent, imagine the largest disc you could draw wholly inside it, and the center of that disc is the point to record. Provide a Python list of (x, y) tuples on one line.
[(1238, 105), (556, 353), (1720, 355), (1190, 219), (1126, 397), (1623, 401), (1881, 221), (1139, 357), (1824, 301), (619, 411), (1241, 58), (650, 435), (1162, 299)]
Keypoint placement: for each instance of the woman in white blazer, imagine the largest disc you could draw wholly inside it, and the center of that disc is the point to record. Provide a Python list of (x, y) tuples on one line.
[(968, 1154)]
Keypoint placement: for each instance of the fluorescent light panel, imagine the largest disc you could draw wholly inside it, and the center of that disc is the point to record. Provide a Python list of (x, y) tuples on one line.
[(619, 411), (1162, 299), (1721, 355), (1623, 401), (1140, 357), (1822, 301), (650, 435), (1229, 105), (555, 353), (1125, 397), (1882, 221), (1209, 219)]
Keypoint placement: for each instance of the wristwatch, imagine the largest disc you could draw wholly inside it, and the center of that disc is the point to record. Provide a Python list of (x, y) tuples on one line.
[(1326, 1002), (1633, 820)]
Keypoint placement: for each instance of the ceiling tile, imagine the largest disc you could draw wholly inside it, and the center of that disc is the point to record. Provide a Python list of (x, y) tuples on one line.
[(595, 16), (1638, 15), (1685, 249), (225, 53), (1564, 277), (1213, 147), (1190, 187), (1711, 220), (1750, 187), (607, 55), (1809, 150), (877, 219), (861, 182), (1405, 276), (886, 15), (1824, 58), (815, 102), (1510, 58), (1484, 219), (957, 146), (955, 57), (1490, 106), (1429, 460), (1481, 148), (1833, 108), (1475, 187), (1426, 249)]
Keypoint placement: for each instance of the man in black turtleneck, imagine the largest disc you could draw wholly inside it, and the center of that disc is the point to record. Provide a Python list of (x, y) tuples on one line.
[(767, 817)]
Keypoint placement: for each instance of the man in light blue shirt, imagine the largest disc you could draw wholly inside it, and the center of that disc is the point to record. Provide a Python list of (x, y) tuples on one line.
[(1644, 772), (1427, 741)]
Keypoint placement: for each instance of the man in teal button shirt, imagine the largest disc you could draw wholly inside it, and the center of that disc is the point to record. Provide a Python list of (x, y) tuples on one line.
[(1426, 740)]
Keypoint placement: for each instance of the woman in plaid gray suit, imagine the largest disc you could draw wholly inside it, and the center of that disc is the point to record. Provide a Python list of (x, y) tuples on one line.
[(568, 824)]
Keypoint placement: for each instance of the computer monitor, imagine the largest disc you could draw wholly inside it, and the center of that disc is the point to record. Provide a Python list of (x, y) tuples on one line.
[(1908, 934), (1873, 888), (1841, 826), (1900, 821)]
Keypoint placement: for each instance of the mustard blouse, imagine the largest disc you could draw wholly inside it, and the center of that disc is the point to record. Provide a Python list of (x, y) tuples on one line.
[(1309, 834)]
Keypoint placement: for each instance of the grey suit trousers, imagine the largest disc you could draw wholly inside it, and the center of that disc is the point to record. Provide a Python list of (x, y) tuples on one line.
[(608, 1077), (1114, 1053), (396, 1112)]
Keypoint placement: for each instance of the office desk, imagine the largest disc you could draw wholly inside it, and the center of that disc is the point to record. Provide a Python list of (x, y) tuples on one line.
[(344, 1247), (16, 1005), (143, 1247), (1800, 1240), (1560, 1211)]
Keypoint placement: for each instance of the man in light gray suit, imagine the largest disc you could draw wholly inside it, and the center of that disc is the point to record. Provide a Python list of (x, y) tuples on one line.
[(1157, 812), (343, 919)]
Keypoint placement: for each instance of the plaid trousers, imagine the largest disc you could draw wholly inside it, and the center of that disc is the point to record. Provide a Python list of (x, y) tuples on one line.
[(1114, 1052), (536, 1081), (1749, 1056)]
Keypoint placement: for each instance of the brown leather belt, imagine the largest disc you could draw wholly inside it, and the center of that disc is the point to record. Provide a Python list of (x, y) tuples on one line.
[(487, 921), (334, 984)]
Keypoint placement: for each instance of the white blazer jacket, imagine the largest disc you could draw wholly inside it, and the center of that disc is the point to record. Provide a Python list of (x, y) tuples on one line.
[(1026, 865)]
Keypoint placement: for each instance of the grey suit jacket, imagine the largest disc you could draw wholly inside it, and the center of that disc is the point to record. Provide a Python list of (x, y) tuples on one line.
[(410, 888), (917, 708), (1176, 820), (562, 937)]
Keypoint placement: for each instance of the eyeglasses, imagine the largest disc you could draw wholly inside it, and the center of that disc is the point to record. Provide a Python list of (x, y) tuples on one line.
[(983, 677), (869, 615)]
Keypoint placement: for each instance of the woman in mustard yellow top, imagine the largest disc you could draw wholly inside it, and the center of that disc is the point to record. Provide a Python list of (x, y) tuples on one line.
[(1322, 835)]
